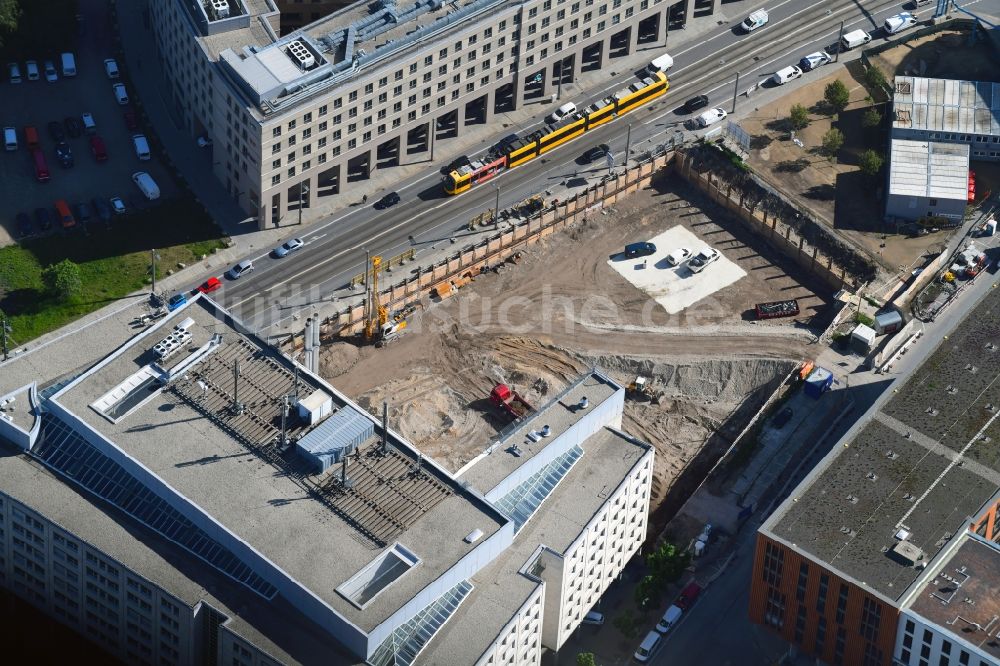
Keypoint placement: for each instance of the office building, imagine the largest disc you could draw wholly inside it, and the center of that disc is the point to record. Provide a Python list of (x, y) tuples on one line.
[(927, 178), (187, 494)]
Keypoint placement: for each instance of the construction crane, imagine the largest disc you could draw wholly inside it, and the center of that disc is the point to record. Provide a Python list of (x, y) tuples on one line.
[(380, 327)]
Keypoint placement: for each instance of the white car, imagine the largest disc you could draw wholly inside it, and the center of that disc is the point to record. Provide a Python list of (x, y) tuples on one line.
[(204, 142), (755, 20), (703, 259), (288, 247), (31, 70), (786, 74), (711, 116), (240, 269), (51, 75), (117, 205), (563, 111), (120, 93), (678, 256), (814, 60), (111, 68), (899, 22)]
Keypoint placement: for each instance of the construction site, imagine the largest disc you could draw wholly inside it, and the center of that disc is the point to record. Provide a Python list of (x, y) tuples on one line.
[(698, 359)]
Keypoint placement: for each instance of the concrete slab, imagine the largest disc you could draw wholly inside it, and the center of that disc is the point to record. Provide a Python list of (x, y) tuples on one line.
[(676, 288)]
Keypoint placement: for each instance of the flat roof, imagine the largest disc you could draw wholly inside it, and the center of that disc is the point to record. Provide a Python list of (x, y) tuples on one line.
[(228, 466), (962, 595), (501, 589), (946, 105), (929, 169), (559, 414), (924, 459)]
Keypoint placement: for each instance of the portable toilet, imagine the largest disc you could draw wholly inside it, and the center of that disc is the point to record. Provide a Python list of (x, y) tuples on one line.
[(818, 382), (862, 339), (888, 322)]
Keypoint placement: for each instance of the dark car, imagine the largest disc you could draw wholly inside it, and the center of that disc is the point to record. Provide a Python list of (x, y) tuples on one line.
[(596, 153), (130, 121), (783, 417), (98, 149), (43, 218), (102, 209), (633, 250), (696, 103), (64, 154), (56, 131), (458, 163), (73, 127), (23, 224), (82, 212), (505, 142), (390, 199)]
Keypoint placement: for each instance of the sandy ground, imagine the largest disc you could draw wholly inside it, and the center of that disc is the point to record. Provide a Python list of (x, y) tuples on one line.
[(836, 192), (562, 310)]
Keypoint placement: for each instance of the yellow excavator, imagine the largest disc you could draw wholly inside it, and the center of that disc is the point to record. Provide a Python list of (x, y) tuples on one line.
[(380, 328)]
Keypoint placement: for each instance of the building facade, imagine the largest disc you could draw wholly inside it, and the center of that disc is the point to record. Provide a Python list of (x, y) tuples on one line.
[(296, 118)]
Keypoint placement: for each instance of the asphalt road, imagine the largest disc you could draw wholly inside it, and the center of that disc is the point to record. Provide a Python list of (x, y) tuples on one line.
[(334, 252)]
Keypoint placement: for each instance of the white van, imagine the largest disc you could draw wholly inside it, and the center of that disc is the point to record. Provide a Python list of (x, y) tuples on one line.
[(647, 647), (146, 184), (855, 38), (786, 74), (10, 138), (141, 146), (755, 20), (68, 64), (661, 64), (669, 619), (711, 116)]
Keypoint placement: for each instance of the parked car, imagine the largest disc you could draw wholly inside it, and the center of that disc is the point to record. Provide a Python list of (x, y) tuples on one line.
[(240, 269), (65, 215), (635, 250), (786, 74), (688, 596), (43, 218), (23, 224), (288, 247), (31, 70), (899, 23), (814, 60), (783, 417), (210, 285), (81, 212), (756, 20), (146, 185), (130, 120), (388, 200), (120, 93), (56, 131), (111, 68), (696, 103), (73, 127), (204, 142), (89, 126), (102, 208), (566, 109), (648, 646), (98, 149), (51, 75), (596, 153), (707, 256), (176, 301), (64, 154), (711, 116), (14, 72), (117, 205), (505, 142), (593, 617), (678, 256)]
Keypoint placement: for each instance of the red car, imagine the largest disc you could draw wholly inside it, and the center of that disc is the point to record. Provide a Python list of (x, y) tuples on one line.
[(210, 285), (130, 121), (688, 596), (98, 149)]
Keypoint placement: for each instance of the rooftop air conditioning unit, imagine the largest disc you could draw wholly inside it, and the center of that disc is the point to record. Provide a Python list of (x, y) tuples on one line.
[(301, 55), (220, 9)]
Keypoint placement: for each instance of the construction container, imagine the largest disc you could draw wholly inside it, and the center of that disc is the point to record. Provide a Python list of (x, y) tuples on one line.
[(818, 382), (862, 339), (888, 322)]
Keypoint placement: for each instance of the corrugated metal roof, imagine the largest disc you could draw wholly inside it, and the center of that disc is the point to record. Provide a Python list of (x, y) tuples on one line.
[(929, 169), (947, 105), (336, 437)]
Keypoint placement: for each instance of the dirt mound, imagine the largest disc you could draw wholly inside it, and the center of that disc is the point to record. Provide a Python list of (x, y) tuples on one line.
[(338, 358)]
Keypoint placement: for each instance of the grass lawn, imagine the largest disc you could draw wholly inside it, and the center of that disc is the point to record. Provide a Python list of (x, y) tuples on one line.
[(113, 263)]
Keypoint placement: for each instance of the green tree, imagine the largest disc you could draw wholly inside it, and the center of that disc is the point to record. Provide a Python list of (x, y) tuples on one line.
[(837, 95), (875, 78), (10, 12), (798, 116), (585, 659), (870, 163), (627, 624), (648, 591), (667, 563), (833, 139), (871, 117), (63, 279)]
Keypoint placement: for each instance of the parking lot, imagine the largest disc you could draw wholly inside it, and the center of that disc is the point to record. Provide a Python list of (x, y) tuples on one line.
[(37, 103)]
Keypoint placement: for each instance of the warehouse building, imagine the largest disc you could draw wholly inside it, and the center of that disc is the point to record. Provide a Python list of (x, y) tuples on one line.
[(927, 179), (193, 496), (947, 110), (842, 568), (296, 118)]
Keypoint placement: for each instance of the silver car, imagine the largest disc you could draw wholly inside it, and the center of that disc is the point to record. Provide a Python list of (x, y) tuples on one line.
[(288, 247), (698, 262), (240, 269)]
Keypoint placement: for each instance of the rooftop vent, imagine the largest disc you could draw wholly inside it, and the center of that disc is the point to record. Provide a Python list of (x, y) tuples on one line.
[(902, 534), (971, 368), (931, 411), (872, 476), (584, 403), (474, 536), (852, 499), (891, 455), (302, 56), (952, 390), (218, 9), (907, 552)]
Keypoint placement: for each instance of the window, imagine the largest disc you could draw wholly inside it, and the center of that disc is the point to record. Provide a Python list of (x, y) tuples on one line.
[(838, 648), (842, 603), (276, 132), (276, 164), (933, 202), (800, 591), (291, 125), (820, 635), (800, 624), (871, 619), (774, 610), (774, 559), (308, 118), (824, 583)]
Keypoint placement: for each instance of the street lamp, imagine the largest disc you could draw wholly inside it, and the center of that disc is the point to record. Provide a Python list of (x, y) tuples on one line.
[(303, 194), (153, 257), (496, 209)]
